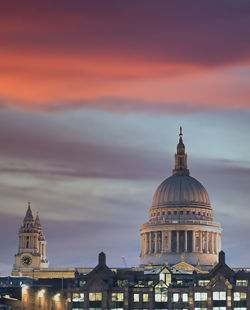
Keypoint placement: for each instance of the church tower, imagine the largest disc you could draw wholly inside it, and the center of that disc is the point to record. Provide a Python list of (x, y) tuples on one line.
[(32, 245)]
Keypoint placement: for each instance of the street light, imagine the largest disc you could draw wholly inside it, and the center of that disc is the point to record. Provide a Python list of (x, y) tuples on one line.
[(41, 293), (24, 288)]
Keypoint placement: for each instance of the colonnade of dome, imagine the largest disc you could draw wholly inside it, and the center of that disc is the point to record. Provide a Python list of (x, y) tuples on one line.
[(180, 220)]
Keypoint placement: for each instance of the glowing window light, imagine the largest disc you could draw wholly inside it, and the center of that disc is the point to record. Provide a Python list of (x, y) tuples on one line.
[(57, 296), (24, 288), (41, 293)]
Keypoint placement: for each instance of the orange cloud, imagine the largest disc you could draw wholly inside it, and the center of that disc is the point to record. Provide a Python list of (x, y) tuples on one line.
[(79, 56)]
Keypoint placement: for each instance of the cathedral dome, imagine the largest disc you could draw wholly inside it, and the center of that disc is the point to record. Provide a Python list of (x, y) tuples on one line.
[(180, 190), (180, 222)]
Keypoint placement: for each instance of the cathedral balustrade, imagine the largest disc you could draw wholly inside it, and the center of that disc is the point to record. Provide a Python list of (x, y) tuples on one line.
[(180, 222)]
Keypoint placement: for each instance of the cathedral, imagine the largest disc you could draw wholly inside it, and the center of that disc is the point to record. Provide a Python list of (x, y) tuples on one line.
[(181, 267), (180, 228)]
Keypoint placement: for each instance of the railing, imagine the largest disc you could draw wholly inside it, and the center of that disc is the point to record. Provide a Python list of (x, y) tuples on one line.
[(180, 222)]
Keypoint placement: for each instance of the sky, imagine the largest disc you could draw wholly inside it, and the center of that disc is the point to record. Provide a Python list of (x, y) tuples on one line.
[(92, 94)]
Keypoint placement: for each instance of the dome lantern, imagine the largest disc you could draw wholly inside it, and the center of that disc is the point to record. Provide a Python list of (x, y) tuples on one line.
[(181, 158)]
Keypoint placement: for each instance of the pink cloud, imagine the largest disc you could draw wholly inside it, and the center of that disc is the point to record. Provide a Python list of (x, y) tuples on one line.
[(81, 53)]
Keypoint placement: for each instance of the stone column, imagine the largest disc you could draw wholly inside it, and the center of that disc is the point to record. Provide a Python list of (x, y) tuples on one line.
[(218, 243), (163, 243), (146, 244), (149, 243), (156, 241), (207, 242), (200, 241), (169, 241), (215, 243), (185, 241), (212, 243), (193, 241), (177, 242)]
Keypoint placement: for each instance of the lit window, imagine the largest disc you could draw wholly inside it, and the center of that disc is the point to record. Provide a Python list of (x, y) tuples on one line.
[(200, 296), (162, 277), (161, 292), (219, 295), (219, 308), (200, 308), (203, 282), (175, 297), (78, 297), (95, 296), (117, 296), (241, 282), (145, 297), (185, 297), (240, 296), (136, 297), (240, 308), (161, 297)]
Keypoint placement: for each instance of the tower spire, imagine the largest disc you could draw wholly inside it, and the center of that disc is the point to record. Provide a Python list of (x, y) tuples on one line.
[(29, 215), (181, 157), (37, 220)]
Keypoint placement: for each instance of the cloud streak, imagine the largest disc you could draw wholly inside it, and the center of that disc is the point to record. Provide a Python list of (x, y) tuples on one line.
[(125, 57)]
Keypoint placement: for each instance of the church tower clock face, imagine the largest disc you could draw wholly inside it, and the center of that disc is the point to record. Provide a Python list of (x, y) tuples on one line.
[(26, 260)]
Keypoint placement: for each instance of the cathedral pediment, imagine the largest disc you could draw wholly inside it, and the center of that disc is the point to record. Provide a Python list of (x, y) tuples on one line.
[(187, 267)]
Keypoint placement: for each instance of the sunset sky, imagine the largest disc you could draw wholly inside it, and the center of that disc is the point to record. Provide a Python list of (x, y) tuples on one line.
[(92, 94)]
